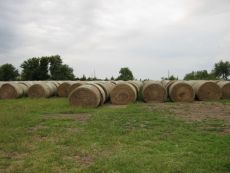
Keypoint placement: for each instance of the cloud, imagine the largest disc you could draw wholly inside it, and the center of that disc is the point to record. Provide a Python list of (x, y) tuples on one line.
[(151, 37)]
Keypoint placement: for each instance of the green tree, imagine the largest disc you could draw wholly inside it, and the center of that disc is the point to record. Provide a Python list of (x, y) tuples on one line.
[(8, 72), (125, 74), (31, 69), (112, 78), (45, 68), (199, 75), (55, 65), (83, 78), (172, 77), (222, 69)]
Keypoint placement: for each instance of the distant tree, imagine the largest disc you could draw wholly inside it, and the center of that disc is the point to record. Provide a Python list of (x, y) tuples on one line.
[(64, 72), (199, 75), (222, 69), (172, 77), (125, 74), (83, 78), (45, 68), (106, 79), (8, 72), (89, 79), (31, 69), (55, 67), (112, 78)]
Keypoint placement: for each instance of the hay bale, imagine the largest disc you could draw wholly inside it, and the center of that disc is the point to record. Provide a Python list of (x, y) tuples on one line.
[(153, 91), (167, 84), (42, 89), (225, 89), (86, 96), (107, 87), (180, 91), (123, 93), (12, 90), (64, 88), (207, 90), (75, 85)]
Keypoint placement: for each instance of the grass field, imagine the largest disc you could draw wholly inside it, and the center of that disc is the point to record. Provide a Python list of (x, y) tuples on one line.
[(47, 135)]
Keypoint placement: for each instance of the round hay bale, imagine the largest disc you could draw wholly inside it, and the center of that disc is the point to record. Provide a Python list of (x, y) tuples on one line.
[(63, 89), (85, 96), (75, 85), (153, 91), (102, 93), (43, 89), (225, 89), (207, 90), (123, 93), (107, 87), (12, 90), (167, 84), (180, 91)]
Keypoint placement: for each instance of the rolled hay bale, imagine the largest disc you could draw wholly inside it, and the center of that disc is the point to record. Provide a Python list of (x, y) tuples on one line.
[(88, 95), (107, 87), (181, 91), (12, 90), (75, 85), (42, 90), (63, 88), (154, 91), (123, 93), (207, 90), (167, 84), (225, 89)]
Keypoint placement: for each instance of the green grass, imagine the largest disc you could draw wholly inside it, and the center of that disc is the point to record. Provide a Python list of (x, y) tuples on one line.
[(132, 139)]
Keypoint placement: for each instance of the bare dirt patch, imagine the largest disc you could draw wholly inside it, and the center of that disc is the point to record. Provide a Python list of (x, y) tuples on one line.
[(85, 160), (80, 117), (210, 112)]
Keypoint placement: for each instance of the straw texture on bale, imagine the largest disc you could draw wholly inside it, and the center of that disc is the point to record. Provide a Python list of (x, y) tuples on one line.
[(123, 93), (107, 87), (207, 90), (42, 90), (225, 89), (85, 96), (167, 84), (12, 90), (153, 91), (64, 88), (75, 85), (180, 91)]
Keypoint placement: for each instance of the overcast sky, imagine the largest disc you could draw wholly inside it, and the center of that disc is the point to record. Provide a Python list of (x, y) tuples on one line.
[(149, 36)]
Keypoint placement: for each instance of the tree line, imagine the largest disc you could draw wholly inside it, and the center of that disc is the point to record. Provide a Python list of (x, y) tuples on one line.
[(221, 70), (52, 68)]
